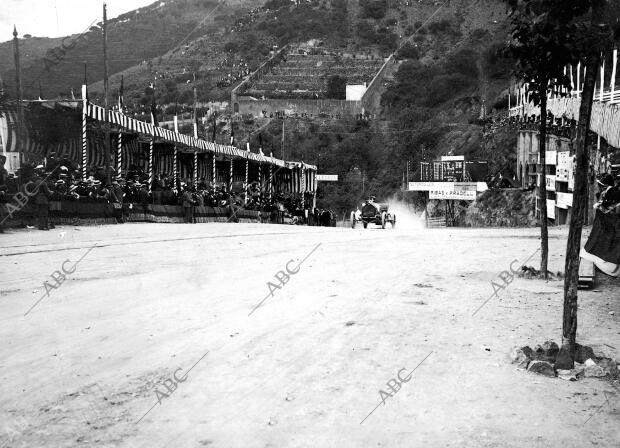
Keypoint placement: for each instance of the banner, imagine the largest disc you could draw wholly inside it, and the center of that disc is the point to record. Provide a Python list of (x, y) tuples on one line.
[(464, 195)]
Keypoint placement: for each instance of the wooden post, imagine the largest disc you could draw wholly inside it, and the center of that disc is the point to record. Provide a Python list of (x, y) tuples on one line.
[(247, 175), (270, 185), (230, 177), (175, 154), (214, 170), (18, 93), (107, 173), (612, 98), (195, 136), (84, 136)]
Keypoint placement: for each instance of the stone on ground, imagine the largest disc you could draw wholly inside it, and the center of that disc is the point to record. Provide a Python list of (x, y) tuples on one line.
[(542, 368)]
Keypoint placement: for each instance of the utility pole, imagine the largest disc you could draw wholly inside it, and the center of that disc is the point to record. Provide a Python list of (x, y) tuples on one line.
[(107, 174), (407, 181), (18, 89), (282, 145)]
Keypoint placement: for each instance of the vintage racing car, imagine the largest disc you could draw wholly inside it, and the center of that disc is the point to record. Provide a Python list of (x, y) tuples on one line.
[(373, 212)]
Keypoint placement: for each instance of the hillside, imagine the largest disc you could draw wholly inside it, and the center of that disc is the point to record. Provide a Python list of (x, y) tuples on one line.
[(134, 38)]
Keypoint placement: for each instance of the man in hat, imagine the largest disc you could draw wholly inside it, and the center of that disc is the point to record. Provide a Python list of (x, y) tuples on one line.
[(42, 198), (188, 204), (116, 198), (4, 175)]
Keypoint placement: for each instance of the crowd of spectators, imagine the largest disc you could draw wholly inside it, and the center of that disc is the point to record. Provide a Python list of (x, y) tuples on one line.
[(60, 180)]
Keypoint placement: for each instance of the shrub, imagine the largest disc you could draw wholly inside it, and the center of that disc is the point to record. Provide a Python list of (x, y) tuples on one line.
[(373, 9), (408, 51)]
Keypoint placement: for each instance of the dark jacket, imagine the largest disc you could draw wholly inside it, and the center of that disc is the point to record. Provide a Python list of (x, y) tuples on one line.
[(187, 199), (43, 192)]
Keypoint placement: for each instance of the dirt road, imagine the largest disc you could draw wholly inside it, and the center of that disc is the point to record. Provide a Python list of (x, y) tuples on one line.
[(149, 303)]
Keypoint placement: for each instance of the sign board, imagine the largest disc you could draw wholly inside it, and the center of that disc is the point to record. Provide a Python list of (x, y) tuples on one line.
[(327, 178), (452, 171), (562, 168), (571, 173), (550, 181), (464, 195), (448, 186), (452, 158), (550, 157), (551, 208), (564, 200)]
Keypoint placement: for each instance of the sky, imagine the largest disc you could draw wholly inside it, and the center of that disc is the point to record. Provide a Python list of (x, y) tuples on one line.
[(54, 18)]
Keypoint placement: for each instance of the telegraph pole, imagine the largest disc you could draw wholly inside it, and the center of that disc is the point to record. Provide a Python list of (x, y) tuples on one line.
[(282, 144), (107, 174), (18, 89)]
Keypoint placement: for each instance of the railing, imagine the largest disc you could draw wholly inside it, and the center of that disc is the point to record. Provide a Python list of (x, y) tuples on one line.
[(605, 120)]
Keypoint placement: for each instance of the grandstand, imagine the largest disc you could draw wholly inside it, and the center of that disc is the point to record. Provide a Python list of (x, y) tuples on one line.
[(295, 81)]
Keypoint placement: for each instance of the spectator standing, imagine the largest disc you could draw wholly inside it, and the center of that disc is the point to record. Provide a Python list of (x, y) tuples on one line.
[(4, 175), (188, 205), (42, 202)]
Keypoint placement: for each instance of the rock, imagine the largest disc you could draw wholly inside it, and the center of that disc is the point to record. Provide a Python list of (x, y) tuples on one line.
[(583, 352), (550, 349), (609, 366), (594, 372), (563, 360), (542, 368), (567, 375), (520, 357), (527, 350), (539, 352), (589, 363)]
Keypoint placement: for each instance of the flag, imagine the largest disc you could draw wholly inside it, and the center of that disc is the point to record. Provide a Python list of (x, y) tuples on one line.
[(153, 107), (120, 96), (214, 126)]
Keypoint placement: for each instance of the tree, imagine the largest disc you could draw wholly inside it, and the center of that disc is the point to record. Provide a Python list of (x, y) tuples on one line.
[(595, 37), (562, 32), (542, 49)]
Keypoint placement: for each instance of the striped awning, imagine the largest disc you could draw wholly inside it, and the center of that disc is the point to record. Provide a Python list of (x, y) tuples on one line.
[(131, 124)]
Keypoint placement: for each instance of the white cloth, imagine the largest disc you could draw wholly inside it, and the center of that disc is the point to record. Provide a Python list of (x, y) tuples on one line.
[(604, 266)]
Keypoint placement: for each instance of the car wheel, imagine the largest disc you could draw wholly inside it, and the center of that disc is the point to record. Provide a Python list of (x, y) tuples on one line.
[(383, 219), (365, 224), (353, 221), (393, 221)]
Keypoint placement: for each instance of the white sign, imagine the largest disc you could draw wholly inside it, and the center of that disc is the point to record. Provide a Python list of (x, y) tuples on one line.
[(452, 158), (327, 177), (448, 186), (550, 181), (550, 157), (550, 208), (564, 200), (465, 195)]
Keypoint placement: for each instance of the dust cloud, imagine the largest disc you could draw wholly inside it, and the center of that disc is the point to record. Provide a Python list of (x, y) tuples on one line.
[(406, 216)]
